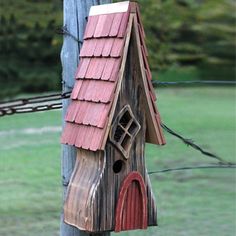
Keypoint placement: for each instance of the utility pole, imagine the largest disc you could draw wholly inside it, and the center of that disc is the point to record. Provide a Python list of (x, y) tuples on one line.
[(75, 15)]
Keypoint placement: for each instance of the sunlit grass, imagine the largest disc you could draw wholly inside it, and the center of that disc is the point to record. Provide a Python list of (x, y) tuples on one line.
[(197, 202)]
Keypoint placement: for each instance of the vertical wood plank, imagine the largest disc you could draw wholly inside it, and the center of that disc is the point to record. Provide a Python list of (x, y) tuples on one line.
[(75, 13)]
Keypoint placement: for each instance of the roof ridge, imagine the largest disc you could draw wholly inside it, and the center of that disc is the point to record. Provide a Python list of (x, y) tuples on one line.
[(110, 8)]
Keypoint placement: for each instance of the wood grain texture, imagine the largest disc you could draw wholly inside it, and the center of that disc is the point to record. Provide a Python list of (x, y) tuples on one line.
[(121, 74), (94, 187), (75, 13), (131, 209), (93, 197), (132, 93), (154, 130), (78, 208)]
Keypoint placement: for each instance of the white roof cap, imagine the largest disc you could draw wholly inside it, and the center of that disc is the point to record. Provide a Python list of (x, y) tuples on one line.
[(118, 7)]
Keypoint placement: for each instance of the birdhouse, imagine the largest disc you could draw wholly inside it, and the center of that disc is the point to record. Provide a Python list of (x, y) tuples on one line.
[(111, 116)]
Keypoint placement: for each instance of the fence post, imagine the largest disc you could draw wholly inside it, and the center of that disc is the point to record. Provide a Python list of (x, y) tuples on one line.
[(75, 13)]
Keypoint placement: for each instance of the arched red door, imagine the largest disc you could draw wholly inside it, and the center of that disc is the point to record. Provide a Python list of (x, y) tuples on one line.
[(131, 210)]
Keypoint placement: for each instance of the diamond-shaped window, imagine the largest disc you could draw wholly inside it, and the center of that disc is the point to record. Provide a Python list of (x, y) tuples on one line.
[(124, 130)]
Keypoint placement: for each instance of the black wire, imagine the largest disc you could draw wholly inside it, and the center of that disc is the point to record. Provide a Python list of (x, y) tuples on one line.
[(33, 100), (199, 82), (189, 142), (192, 168), (64, 31), (23, 101), (17, 106), (29, 109)]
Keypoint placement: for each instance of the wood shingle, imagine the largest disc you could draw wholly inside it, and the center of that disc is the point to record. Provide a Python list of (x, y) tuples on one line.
[(96, 79)]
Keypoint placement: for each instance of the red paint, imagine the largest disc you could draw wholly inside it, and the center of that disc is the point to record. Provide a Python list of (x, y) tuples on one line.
[(90, 72), (82, 92), (71, 112), (103, 91), (95, 68), (115, 70), (107, 48), (82, 136), (80, 132), (88, 113), (116, 24), (160, 136), (66, 133), (100, 26), (72, 135), (87, 138), (100, 68), (82, 69), (93, 90), (145, 59), (93, 93), (150, 87), (90, 90), (131, 210), (91, 26), (107, 25), (99, 47), (83, 106), (117, 47), (96, 141), (123, 25), (94, 113), (104, 116), (108, 68), (142, 39), (88, 47), (76, 89), (140, 21)]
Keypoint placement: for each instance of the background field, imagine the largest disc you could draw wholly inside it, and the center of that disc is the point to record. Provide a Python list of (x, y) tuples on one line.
[(197, 202), (187, 40), (187, 37)]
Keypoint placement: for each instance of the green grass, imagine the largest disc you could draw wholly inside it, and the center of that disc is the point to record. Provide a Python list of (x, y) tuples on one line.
[(194, 202)]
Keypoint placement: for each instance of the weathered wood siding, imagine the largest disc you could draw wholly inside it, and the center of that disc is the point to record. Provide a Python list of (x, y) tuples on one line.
[(75, 13), (87, 174), (131, 93), (94, 187)]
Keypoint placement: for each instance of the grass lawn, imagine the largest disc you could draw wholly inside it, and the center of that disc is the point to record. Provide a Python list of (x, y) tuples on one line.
[(193, 202)]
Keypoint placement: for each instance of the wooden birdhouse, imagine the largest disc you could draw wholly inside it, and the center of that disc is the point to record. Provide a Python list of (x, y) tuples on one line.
[(111, 116)]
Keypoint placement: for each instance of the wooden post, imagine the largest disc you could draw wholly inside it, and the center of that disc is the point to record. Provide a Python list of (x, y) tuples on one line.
[(75, 13)]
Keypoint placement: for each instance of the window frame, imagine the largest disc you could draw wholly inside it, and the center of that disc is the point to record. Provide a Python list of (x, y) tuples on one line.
[(124, 140)]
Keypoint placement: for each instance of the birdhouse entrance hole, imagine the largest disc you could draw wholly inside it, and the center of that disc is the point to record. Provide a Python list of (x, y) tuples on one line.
[(124, 130), (118, 166)]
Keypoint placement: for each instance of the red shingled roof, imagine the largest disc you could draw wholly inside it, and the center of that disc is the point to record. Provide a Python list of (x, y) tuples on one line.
[(96, 79)]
